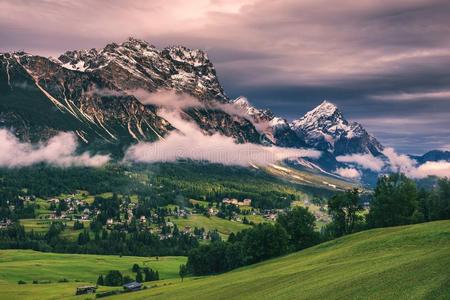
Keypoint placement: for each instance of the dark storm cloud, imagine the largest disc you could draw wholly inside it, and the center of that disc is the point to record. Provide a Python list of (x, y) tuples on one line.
[(378, 60)]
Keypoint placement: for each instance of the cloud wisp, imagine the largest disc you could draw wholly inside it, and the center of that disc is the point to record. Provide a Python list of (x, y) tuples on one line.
[(167, 98), (367, 161), (419, 96), (395, 162), (58, 150), (350, 173), (190, 142)]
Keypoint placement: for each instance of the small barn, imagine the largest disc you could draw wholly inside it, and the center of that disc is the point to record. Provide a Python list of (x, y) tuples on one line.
[(132, 286)]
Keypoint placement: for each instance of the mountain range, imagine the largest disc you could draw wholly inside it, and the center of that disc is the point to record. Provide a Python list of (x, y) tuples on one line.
[(89, 92)]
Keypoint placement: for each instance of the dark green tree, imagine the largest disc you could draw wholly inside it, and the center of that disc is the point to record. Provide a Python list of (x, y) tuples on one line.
[(84, 237), (127, 279), (139, 277), (135, 268), (100, 280), (183, 272), (345, 211), (300, 225), (395, 202), (113, 278), (263, 241)]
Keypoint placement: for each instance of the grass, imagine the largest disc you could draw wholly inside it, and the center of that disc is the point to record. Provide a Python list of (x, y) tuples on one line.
[(38, 225), (31, 265), (79, 269), (256, 219), (42, 225), (408, 262), (224, 227), (200, 202)]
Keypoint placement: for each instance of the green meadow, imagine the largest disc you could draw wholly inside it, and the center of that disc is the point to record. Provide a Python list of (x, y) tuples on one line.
[(78, 269), (223, 226), (408, 262)]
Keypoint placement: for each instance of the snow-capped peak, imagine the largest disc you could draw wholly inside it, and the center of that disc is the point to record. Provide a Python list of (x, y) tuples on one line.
[(194, 57), (325, 112), (145, 66), (325, 128), (259, 115), (325, 108)]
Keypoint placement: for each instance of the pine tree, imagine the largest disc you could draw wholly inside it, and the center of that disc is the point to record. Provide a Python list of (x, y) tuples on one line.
[(135, 268), (139, 276), (100, 280), (183, 272)]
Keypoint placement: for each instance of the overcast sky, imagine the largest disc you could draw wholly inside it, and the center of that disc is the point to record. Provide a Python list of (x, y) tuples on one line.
[(386, 64)]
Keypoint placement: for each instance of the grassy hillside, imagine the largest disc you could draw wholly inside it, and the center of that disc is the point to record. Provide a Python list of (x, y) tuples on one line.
[(409, 262), (79, 269), (224, 227)]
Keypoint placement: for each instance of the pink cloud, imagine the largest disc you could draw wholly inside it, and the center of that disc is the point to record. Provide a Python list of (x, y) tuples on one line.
[(58, 150)]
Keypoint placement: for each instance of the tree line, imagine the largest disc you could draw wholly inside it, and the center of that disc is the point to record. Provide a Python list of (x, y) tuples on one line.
[(293, 231), (396, 201), (116, 278)]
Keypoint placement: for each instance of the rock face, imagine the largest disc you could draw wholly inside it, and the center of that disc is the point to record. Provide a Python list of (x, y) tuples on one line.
[(137, 64), (87, 92), (275, 130)]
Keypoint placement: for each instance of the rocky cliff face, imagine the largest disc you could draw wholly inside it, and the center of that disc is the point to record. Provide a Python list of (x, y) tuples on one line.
[(87, 91)]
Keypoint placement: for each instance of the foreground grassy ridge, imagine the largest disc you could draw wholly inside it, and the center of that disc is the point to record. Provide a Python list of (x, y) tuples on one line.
[(409, 262), (30, 265)]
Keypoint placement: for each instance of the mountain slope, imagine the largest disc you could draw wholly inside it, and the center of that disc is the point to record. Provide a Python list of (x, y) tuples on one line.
[(94, 90), (408, 262), (275, 130), (434, 155)]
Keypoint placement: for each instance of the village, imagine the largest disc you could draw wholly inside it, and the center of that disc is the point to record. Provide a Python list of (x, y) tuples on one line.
[(122, 212)]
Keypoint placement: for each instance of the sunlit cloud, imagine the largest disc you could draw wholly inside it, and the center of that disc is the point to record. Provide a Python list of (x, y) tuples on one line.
[(367, 161), (351, 173), (59, 150)]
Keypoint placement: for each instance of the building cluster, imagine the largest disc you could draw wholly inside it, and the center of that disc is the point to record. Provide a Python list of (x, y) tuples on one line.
[(5, 223), (245, 202), (72, 208)]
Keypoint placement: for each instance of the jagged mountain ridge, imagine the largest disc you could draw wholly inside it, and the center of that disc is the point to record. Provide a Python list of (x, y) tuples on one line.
[(323, 128), (149, 68), (74, 85), (85, 91), (274, 130)]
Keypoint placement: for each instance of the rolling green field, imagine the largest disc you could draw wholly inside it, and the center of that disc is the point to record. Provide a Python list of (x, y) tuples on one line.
[(79, 269), (408, 262)]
